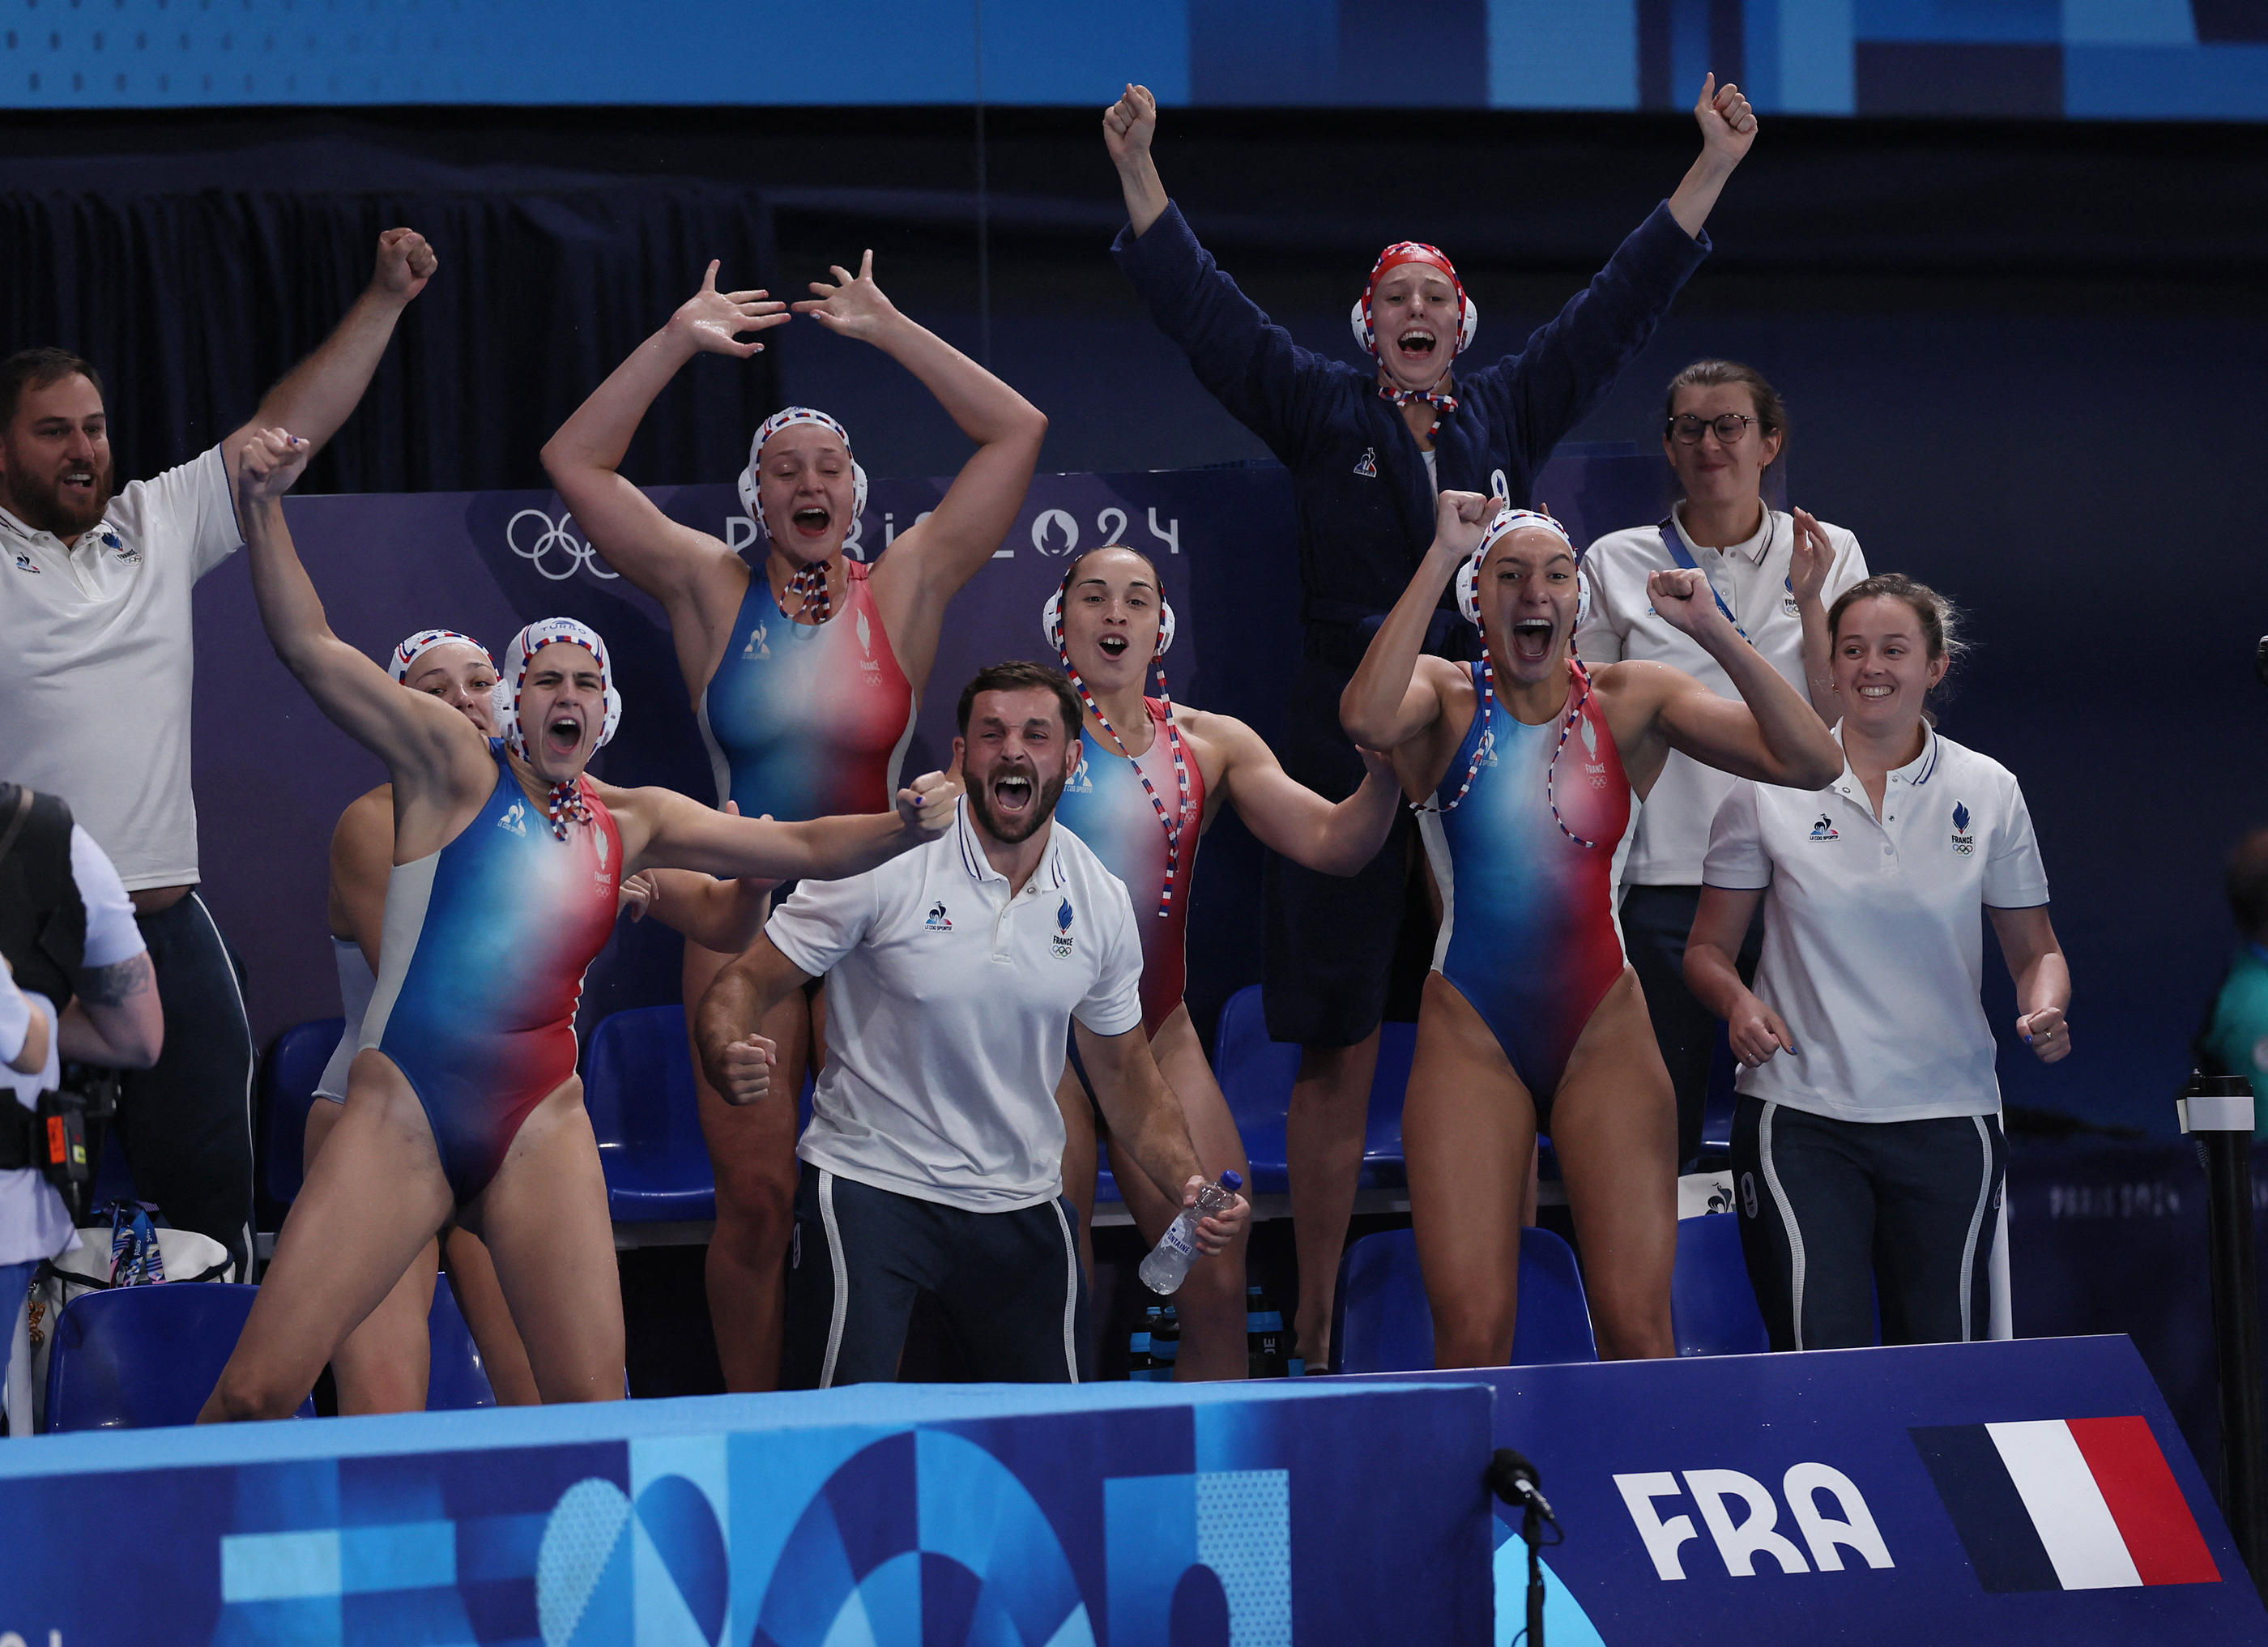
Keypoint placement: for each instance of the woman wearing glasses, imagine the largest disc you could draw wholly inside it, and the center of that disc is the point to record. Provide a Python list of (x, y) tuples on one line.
[(1774, 574)]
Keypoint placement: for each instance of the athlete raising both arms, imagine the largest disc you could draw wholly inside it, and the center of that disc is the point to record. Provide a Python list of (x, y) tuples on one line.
[(1154, 775), (1522, 766), (1368, 446), (463, 1102), (803, 715), (385, 1363)]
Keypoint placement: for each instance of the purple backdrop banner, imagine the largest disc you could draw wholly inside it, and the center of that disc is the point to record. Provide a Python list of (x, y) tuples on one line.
[(272, 774)]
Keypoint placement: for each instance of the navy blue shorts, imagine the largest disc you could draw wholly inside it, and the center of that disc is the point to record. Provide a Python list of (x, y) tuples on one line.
[(1009, 1285)]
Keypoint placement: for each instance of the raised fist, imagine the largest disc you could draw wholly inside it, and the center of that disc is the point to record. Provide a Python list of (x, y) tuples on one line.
[(1728, 125), (1130, 124), (270, 463), (405, 264)]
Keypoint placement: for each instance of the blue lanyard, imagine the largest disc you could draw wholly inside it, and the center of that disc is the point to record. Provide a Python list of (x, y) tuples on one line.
[(1678, 552)]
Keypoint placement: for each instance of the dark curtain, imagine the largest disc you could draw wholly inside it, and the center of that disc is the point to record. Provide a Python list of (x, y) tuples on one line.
[(192, 296)]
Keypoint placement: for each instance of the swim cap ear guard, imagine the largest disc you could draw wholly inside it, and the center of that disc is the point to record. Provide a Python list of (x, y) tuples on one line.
[(1051, 616), (516, 656), (1508, 520), (1468, 313), (772, 426)]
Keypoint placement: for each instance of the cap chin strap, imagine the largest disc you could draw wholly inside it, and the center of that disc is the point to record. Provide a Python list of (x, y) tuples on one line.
[(567, 804), (808, 584), (1433, 397)]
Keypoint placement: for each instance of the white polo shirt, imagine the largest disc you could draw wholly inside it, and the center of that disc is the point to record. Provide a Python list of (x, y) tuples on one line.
[(948, 1002), (1672, 833), (98, 666), (1875, 930)]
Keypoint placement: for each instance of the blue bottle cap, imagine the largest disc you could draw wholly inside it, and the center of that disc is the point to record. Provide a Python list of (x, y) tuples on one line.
[(1232, 1180)]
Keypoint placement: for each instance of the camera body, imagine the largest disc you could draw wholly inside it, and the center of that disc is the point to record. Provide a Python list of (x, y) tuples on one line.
[(54, 1136)]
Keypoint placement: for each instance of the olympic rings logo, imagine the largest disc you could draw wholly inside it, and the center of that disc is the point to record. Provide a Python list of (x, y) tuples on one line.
[(550, 537)]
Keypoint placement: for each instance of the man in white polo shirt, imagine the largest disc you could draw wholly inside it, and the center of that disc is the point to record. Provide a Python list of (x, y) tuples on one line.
[(1774, 574), (94, 705), (934, 1162)]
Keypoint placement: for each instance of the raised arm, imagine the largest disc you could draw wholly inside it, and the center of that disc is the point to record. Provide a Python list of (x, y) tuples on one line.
[(417, 736), (1771, 734), (2043, 978), (683, 569), (930, 562), (1291, 818), (1566, 366), (679, 833), (322, 392), (1811, 560), (1728, 126), (1285, 396), (1145, 1118), (737, 1060), (1128, 126), (1394, 697)]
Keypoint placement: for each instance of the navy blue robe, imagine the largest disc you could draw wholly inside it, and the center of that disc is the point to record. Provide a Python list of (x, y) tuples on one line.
[(1365, 518)]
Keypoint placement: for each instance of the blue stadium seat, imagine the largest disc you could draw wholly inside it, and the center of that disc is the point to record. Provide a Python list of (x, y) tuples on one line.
[(1381, 1323), (458, 1380), (137, 1358), (637, 1084), (288, 1076), (1256, 1074), (1712, 1309)]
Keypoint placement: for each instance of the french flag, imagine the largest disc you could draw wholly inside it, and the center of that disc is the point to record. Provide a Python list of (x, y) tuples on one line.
[(2080, 1504)]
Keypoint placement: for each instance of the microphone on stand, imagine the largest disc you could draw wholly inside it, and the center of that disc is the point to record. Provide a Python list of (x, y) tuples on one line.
[(1512, 1478)]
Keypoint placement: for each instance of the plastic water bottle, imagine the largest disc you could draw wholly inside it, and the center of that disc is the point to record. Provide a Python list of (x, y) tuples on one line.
[(1168, 1267)]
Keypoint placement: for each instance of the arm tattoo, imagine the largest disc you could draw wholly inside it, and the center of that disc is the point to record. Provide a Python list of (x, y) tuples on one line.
[(114, 986)]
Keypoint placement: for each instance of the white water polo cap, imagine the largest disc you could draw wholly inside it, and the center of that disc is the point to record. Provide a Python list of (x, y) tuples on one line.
[(543, 632), (416, 646), (787, 419), (1507, 522)]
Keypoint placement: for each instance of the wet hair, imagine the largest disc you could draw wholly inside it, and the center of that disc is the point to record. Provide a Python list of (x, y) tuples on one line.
[(1022, 676), (1771, 411), (35, 369), (2248, 883)]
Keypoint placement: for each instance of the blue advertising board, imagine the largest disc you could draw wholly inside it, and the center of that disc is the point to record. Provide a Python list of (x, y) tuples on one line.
[(2028, 1490), (921, 1515)]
